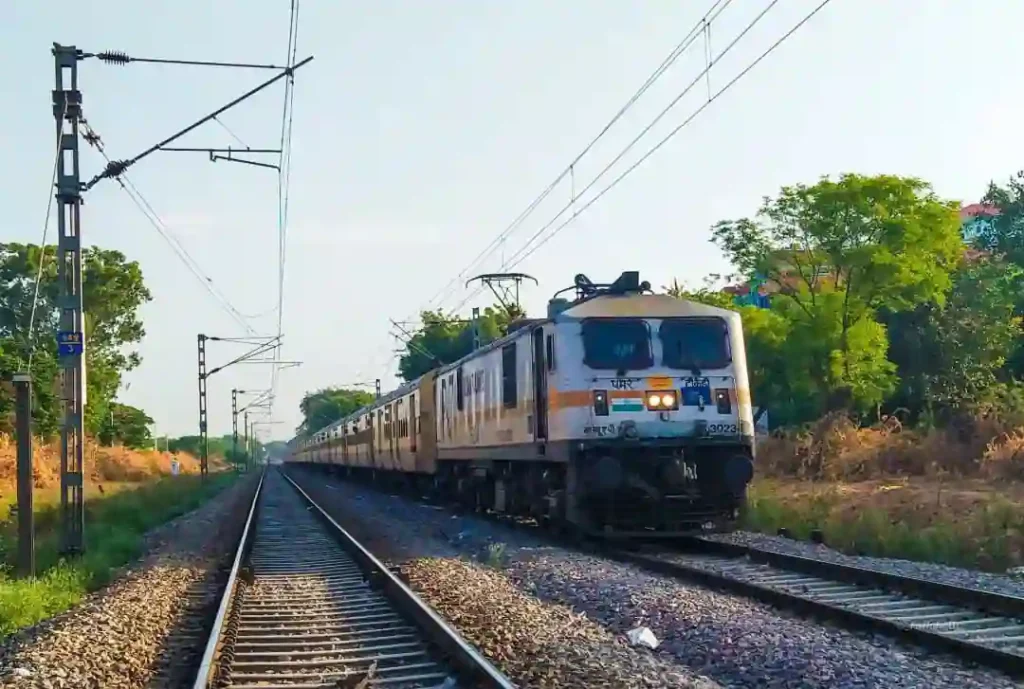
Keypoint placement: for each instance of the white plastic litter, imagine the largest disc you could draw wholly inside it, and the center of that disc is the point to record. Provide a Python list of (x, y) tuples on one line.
[(642, 636)]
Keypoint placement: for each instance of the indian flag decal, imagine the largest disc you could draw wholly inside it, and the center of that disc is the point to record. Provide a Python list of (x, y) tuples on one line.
[(627, 404)]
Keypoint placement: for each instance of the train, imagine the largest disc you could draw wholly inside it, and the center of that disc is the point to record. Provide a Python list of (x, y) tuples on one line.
[(623, 413)]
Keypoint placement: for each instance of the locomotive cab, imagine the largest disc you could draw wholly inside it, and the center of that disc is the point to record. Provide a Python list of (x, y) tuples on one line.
[(658, 411)]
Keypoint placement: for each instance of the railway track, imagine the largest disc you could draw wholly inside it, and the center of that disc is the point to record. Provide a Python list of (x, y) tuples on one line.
[(306, 606), (979, 626)]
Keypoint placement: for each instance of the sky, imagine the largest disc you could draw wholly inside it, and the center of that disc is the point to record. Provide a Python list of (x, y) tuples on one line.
[(423, 129)]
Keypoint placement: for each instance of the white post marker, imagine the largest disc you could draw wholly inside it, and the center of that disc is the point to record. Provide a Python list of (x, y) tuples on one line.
[(174, 467)]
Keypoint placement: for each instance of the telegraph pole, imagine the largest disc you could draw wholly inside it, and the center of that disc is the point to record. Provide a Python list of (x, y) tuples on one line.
[(234, 426), (204, 447), (247, 443), (67, 111)]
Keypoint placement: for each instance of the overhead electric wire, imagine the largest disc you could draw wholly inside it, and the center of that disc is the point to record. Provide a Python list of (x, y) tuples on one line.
[(675, 101), (42, 245), (284, 179), (164, 231), (182, 253), (675, 131), (696, 32)]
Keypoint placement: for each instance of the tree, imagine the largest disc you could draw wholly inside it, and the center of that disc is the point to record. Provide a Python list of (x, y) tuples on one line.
[(128, 426), (839, 251), (113, 292), (327, 405), (445, 339), (1003, 234), (949, 357)]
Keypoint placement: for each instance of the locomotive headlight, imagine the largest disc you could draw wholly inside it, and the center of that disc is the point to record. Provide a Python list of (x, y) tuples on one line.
[(661, 401)]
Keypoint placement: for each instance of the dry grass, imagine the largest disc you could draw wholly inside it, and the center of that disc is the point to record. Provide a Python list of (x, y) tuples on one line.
[(838, 449), (103, 464), (965, 522), (954, 495)]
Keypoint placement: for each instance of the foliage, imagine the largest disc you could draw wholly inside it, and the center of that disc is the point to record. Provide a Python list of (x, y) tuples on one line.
[(113, 292), (445, 339), (114, 530), (216, 447), (972, 529), (1004, 233), (128, 426), (838, 251), (327, 405), (705, 294), (950, 357)]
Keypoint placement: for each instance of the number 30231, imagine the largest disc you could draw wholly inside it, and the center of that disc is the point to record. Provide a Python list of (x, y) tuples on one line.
[(722, 428)]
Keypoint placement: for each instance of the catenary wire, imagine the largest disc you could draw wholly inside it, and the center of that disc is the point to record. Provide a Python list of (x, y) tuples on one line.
[(696, 32), (42, 244), (675, 131), (517, 257)]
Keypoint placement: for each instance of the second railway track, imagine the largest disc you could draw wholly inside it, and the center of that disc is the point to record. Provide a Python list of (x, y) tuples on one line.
[(307, 607), (980, 626)]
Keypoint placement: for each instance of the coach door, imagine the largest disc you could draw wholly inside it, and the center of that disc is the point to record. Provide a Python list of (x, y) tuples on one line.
[(540, 387)]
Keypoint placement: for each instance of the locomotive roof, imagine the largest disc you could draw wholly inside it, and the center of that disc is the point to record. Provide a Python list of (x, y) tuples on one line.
[(642, 306)]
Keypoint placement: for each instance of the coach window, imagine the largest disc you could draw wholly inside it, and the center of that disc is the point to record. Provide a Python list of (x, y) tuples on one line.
[(459, 394), (509, 391), (412, 413), (550, 352)]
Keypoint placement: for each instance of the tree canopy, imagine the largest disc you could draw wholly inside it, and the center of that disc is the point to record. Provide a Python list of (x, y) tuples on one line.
[(837, 253), (327, 405), (113, 293), (445, 339)]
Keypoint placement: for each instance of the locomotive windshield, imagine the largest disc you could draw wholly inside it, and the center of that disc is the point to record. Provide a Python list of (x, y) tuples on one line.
[(617, 344), (694, 343)]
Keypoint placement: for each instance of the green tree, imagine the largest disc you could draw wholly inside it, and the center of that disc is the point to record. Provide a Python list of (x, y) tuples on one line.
[(444, 339), (113, 292), (128, 426), (950, 357), (1003, 234), (839, 251), (326, 406)]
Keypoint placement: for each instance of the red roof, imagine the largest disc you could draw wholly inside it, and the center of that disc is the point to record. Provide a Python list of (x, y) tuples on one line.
[(975, 209)]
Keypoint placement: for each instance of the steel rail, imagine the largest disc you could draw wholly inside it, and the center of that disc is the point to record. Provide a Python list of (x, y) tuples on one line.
[(307, 606), (979, 626), (477, 668), (206, 666)]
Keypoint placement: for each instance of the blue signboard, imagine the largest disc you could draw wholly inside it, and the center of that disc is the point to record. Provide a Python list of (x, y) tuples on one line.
[(69, 342)]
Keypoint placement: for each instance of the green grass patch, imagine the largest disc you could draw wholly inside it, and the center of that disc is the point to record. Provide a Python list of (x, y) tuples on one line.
[(114, 529), (989, 536)]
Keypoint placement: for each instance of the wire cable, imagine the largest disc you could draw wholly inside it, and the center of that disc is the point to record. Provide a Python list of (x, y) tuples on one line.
[(516, 257), (42, 243), (695, 33), (675, 131), (284, 179)]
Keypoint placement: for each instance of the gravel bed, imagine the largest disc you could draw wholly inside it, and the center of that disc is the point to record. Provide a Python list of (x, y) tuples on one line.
[(537, 644), (734, 641), (146, 629), (956, 576)]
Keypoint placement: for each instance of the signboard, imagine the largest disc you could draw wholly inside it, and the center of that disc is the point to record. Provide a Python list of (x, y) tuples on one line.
[(174, 467), (70, 342)]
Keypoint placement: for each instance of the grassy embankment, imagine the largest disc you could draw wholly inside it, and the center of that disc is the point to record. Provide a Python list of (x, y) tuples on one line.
[(127, 493), (937, 496)]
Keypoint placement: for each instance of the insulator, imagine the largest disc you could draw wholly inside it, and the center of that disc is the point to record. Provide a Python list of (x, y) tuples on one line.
[(114, 57), (115, 168)]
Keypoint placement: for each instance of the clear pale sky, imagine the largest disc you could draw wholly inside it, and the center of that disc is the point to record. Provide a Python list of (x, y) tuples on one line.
[(423, 128)]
